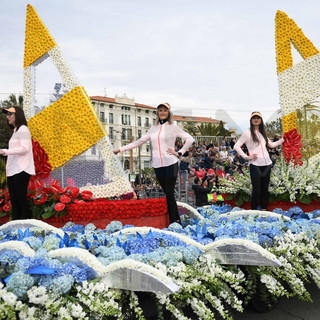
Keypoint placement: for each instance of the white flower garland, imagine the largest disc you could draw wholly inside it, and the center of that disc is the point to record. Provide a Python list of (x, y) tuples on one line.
[(19, 246), (23, 224), (145, 230), (191, 211), (80, 255), (254, 213)]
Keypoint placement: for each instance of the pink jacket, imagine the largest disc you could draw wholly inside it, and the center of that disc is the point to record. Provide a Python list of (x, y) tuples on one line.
[(259, 149), (20, 155), (162, 136)]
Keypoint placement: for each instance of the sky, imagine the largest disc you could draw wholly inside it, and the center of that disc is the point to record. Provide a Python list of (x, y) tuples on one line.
[(210, 58)]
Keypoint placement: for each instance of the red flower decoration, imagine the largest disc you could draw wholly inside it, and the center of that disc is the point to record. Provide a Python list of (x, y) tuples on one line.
[(42, 166), (291, 147), (41, 200), (6, 207), (59, 206), (74, 192), (86, 195), (65, 199)]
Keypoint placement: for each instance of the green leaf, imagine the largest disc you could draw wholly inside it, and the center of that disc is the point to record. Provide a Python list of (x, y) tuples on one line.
[(47, 214)]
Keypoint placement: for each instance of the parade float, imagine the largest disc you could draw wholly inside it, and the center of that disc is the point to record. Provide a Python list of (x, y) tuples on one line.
[(219, 260)]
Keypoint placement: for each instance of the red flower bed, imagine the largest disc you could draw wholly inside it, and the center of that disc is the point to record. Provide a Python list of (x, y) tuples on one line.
[(145, 212)]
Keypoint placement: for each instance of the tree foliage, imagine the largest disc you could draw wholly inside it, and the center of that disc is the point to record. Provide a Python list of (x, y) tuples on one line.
[(274, 128), (210, 129)]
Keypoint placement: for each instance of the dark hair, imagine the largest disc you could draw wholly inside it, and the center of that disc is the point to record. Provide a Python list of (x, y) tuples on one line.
[(20, 119), (196, 180), (261, 130)]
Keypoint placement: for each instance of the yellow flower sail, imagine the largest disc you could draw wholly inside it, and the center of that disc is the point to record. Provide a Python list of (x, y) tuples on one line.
[(38, 40)]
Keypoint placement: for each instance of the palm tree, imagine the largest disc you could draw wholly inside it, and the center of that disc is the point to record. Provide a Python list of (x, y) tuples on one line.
[(13, 100), (191, 129), (212, 130)]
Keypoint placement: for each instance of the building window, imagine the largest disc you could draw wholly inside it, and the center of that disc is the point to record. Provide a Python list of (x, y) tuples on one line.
[(148, 147), (139, 134), (101, 105), (125, 135), (111, 133), (126, 165), (147, 123), (125, 119), (111, 106), (154, 121), (147, 111), (110, 117), (102, 116), (139, 122)]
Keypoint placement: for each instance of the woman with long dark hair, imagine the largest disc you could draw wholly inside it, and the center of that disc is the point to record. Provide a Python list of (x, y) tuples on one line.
[(260, 163), (164, 158), (20, 163)]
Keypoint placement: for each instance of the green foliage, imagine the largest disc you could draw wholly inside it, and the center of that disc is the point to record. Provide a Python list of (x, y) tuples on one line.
[(3, 178), (274, 128), (210, 129), (191, 129)]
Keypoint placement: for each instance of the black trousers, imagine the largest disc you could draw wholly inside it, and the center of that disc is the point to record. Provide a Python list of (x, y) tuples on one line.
[(260, 178), (167, 177), (18, 186)]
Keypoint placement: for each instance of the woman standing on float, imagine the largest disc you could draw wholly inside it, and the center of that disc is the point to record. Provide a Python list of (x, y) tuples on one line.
[(260, 163), (20, 163), (164, 158)]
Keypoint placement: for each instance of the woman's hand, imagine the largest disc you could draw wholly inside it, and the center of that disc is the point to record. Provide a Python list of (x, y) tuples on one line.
[(116, 151), (172, 151), (253, 156)]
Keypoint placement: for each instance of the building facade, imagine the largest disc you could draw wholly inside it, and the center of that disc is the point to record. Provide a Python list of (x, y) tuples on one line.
[(126, 121)]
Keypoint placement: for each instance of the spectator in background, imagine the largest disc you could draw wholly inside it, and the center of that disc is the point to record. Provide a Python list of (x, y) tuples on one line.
[(201, 188)]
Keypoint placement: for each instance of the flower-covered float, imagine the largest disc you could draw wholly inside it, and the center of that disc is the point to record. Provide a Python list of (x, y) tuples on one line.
[(211, 265), (218, 261)]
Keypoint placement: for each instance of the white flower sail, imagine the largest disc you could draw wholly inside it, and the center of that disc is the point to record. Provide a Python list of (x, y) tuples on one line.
[(241, 252), (132, 275)]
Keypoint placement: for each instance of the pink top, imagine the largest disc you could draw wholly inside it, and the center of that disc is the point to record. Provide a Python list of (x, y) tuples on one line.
[(259, 148), (20, 155), (162, 137)]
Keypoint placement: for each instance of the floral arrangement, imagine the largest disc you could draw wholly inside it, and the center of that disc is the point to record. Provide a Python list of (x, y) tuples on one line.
[(47, 201), (51, 286), (288, 183)]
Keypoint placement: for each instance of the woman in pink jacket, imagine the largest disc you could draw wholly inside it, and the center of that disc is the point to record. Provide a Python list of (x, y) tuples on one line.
[(260, 163), (164, 158), (20, 163)]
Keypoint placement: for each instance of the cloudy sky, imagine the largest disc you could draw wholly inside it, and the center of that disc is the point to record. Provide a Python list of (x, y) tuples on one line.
[(204, 57)]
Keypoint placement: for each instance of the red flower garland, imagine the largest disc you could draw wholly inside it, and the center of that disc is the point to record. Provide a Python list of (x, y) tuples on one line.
[(42, 166), (292, 147)]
